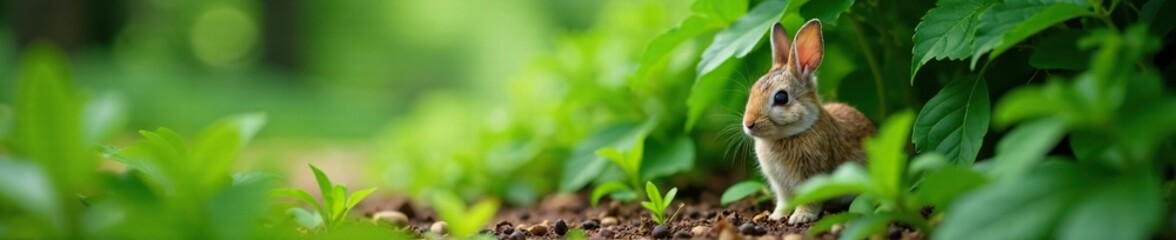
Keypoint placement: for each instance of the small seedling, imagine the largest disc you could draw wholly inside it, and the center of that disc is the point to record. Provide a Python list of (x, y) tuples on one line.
[(463, 222), (657, 204), (335, 205)]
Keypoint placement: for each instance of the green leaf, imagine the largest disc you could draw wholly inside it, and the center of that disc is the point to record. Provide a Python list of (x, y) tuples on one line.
[(1128, 207), (741, 190), (1025, 146), (827, 11), (941, 187), (585, 165), (707, 89), (742, 36), (356, 197), (607, 188), (306, 219), (848, 179), (216, 148), (863, 227), (478, 216), (946, 32), (709, 16), (28, 187), (1025, 209), (237, 209), (1007, 23), (887, 157), (104, 116), (299, 194), (653, 193), (669, 198), (324, 185), (927, 162), (863, 204), (955, 121), (48, 119), (337, 206), (826, 223), (677, 156), (1060, 51)]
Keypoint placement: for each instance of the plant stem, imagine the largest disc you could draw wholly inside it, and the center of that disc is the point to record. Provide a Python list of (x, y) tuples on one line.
[(874, 69)]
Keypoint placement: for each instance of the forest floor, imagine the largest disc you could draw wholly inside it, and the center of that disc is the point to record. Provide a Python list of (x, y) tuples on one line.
[(696, 219)]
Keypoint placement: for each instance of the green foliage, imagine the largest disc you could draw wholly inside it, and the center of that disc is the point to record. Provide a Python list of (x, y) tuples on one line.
[(955, 121), (947, 31), (657, 204), (1106, 111), (332, 211), (744, 189), (888, 191), (463, 222), (737, 40)]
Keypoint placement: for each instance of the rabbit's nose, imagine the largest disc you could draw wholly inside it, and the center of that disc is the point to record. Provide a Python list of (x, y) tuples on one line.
[(749, 125)]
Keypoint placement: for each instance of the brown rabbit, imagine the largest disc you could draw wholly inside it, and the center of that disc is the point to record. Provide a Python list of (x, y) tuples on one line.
[(796, 137)]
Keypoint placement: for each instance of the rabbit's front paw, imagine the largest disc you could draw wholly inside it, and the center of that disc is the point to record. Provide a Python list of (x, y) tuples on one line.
[(777, 216), (800, 216)]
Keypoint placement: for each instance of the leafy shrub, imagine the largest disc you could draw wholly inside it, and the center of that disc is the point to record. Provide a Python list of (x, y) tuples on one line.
[(463, 222), (743, 190), (888, 190), (335, 205)]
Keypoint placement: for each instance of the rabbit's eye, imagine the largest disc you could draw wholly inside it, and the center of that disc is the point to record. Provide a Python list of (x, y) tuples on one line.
[(780, 98)]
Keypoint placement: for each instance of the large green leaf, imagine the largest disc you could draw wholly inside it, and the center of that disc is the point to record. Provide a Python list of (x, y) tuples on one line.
[(216, 148), (5, 122), (1025, 209), (709, 88), (865, 226), (827, 11), (941, 187), (946, 32), (1007, 23), (677, 156), (48, 123), (1025, 146), (584, 165), (742, 36), (708, 16), (237, 209), (955, 121), (28, 187), (887, 154), (848, 179), (741, 190), (1127, 207)]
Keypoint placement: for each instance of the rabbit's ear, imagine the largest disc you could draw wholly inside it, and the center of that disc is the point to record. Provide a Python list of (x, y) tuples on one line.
[(781, 48), (808, 48)]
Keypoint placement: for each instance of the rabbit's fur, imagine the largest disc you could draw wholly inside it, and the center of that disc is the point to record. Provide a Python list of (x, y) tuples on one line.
[(801, 137)]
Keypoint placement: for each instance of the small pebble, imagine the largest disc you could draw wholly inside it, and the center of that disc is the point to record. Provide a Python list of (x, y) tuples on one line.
[(524, 216), (590, 224), (607, 232), (505, 229), (711, 214), (521, 227), (394, 217), (700, 230), (836, 228), (561, 227), (793, 236), (760, 231), (608, 221), (660, 232), (440, 228), (517, 236), (759, 218), (683, 235), (538, 230), (748, 229), (694, 214)]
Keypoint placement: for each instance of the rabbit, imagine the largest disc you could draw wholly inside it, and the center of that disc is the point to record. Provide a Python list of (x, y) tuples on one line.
[(796, 137)]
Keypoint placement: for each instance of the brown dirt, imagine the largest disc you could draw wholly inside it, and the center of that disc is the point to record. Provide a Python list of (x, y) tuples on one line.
[(633, 221)]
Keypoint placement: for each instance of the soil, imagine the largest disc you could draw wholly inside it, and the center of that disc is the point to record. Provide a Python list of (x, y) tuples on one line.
[(632, 221)]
